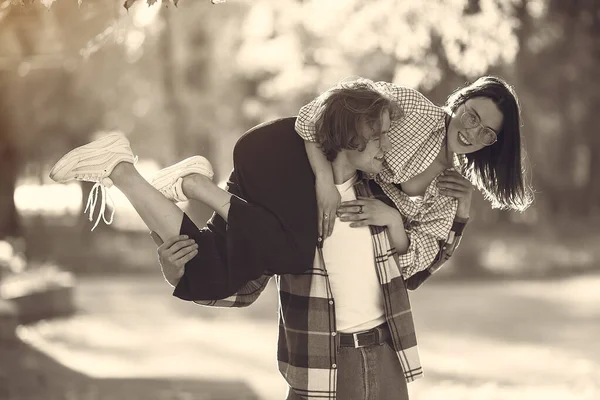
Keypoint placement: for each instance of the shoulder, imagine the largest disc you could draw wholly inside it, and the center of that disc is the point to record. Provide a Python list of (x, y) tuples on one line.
[(266, 136), (410, 100)]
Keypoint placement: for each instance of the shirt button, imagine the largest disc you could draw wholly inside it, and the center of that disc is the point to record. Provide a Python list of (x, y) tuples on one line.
[(331, 302), (333, 333), (334, 366)]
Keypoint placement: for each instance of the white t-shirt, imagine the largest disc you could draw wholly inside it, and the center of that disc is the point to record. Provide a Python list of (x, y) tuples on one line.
[(350, 263)]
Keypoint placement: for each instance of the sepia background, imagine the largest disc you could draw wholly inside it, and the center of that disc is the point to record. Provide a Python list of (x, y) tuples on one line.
[(87, 315)]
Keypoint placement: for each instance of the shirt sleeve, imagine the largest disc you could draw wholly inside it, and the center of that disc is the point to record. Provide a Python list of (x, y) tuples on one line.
[(305, 123), (408, 100), (244, 297), (428, 226), (446, 249)]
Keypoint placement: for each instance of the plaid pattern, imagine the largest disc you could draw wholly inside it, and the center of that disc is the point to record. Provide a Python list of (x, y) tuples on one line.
[(307, 343), (416, 137)]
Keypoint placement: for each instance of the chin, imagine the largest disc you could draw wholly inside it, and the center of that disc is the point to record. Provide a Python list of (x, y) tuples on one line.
[(454, 147), (377, 167)]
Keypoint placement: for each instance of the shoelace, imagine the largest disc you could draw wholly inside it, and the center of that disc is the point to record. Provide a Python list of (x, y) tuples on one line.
[(99, 189)]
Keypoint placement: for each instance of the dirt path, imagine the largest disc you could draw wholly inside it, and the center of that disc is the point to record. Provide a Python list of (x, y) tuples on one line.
[(518, 340)]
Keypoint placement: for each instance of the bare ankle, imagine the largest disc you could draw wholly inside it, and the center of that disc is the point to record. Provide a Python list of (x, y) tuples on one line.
[(122, 171), (194, 185)]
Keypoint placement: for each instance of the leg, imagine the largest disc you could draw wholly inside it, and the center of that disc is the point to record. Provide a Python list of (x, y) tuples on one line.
[(201, 188), (370, 372), (109, 160), (159, 214)]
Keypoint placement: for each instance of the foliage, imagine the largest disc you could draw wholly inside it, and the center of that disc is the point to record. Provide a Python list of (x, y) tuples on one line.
[(308, 46), (548, 49), (191, 79)]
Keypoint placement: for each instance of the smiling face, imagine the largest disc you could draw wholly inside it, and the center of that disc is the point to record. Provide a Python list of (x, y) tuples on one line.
[(464, 141), (371, 158)]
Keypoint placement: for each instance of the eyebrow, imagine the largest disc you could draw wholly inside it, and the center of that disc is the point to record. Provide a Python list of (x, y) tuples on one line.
[(479, 116)]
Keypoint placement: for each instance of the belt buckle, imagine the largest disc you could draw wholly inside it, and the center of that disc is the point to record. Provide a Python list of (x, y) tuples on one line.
[(355, 337)]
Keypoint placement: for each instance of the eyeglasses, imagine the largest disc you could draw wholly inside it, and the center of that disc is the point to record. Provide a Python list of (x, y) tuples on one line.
[(486, 136)]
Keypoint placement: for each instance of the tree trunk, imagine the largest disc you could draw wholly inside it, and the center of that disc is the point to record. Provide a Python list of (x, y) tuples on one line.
[(9, 168), (171, 84), (9, 218)]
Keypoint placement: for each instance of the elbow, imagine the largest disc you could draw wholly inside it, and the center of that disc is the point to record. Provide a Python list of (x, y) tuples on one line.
[(402, 250)]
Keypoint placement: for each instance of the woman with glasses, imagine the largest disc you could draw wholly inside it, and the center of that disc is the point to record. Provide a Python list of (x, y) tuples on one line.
[(475, 135)]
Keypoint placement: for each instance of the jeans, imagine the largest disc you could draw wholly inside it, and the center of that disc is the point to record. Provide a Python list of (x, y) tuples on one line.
[(368, 373)]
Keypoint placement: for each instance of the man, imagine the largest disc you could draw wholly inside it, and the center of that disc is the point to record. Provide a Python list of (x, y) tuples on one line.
[(347, 306)]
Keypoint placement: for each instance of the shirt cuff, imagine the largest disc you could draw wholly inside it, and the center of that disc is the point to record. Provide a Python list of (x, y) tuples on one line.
[(459, 225)]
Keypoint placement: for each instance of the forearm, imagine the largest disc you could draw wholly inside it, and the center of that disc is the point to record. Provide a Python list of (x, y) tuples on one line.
[(398, 237), (318, 162)]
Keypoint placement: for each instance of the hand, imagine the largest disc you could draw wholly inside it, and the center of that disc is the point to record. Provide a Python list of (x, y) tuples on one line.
[(366, 211), (453, 184), (328, 201), (174, 254)]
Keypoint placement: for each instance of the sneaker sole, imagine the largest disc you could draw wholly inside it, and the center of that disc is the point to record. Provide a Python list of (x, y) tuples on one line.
[(200, 165), (68, 161)]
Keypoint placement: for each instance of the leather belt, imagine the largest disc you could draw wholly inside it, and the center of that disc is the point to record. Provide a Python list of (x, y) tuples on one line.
[(372, 337)]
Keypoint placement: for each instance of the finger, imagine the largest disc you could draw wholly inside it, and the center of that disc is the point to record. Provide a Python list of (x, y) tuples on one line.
[(351, 208), (452, 193), (453, 175), (184, 251), (450, 171), (331, 223), (320, 223), (358, 224), (459, 185), (453, 186), (180, 245), (183, 260), (453, 178), (350, 203), (352, 217), (170, 241)]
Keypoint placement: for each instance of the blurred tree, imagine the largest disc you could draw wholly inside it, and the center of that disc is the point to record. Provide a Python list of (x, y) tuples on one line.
[(558, 65), (299, 48), (42, 110), (548, 49), (9, 219)]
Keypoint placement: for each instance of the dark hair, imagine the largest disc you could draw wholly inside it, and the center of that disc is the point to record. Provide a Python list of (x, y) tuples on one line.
[(342, 110), (498, 170)]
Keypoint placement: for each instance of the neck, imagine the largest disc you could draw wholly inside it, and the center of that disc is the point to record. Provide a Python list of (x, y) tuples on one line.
[(445, 156), (342, 170)]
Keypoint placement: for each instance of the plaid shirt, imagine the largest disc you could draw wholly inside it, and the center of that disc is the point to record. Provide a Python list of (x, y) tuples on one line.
[(416, 137), (307, 340)]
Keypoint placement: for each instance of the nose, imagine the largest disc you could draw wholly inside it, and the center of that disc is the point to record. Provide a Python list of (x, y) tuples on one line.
[(386, 145), (473, 133)]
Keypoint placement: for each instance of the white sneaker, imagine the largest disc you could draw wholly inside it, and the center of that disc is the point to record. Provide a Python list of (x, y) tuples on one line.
[(168, 180), (94, 162)]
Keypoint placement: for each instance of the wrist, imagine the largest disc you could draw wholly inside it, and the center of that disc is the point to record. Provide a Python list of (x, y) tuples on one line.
[(462, 215), (463, 212)]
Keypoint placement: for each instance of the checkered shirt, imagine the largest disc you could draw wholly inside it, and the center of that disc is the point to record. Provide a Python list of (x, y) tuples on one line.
[(307, 340), (416, 138)]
